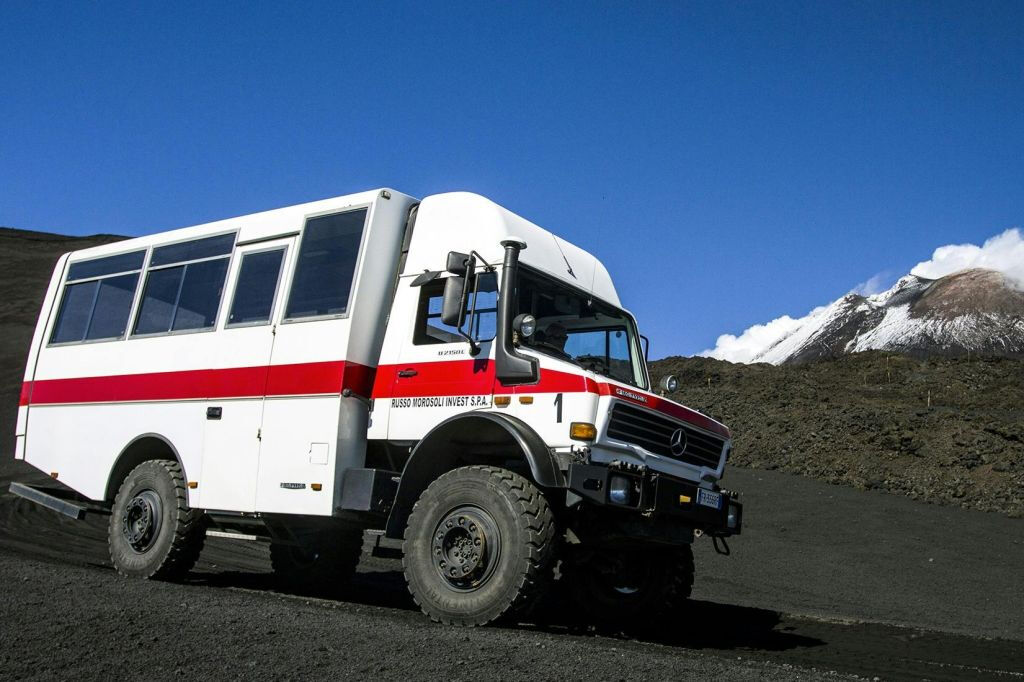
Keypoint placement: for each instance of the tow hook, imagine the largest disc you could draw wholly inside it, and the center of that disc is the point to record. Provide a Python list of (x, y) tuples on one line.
[(715, 539)]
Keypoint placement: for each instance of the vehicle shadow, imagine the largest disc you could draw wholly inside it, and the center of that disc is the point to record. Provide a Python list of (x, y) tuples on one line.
[(699, 625), (702, 625)]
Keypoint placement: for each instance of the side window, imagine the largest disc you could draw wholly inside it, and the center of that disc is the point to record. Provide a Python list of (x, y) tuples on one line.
[(326, 265), (258, 276), (97, 299), (184, 285), (481, 313)]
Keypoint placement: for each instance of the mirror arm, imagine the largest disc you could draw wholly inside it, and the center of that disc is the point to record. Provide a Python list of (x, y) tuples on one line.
[(487, 267)]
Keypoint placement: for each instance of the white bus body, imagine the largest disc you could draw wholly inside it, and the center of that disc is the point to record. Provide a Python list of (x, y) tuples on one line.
[(295, 364)]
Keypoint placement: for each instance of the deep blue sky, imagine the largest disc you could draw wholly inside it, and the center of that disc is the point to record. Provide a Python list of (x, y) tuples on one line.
[(730, 163)]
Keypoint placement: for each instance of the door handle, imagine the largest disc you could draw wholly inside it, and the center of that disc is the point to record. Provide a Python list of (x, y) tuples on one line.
[(406, 373), (213, 412)]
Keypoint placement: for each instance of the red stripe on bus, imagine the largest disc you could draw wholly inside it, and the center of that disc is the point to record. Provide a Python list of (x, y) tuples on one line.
[(236, 382), (444, 378), (476, 377)]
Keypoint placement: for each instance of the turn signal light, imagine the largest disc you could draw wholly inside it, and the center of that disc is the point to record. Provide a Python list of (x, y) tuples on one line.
[(193, 484), (502, 400), (582, 431), (316, 486)]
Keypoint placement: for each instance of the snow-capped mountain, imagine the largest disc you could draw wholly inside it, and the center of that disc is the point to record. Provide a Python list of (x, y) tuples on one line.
[(977, 310)]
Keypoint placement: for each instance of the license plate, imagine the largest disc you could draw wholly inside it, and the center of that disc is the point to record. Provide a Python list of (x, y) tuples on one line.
[(709, 498)]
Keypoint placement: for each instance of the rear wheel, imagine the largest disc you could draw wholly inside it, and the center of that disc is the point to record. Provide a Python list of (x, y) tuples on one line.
[(479, 546), (153, 533), (322, 563), (628, 587)]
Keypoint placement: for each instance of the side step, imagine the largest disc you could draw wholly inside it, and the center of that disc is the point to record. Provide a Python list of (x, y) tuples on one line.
[(384, 548), (231, 535), (54, 499)]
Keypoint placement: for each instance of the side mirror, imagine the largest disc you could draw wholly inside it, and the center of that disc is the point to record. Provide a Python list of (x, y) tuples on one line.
[(453, 302), (462, 264), (669, 384)]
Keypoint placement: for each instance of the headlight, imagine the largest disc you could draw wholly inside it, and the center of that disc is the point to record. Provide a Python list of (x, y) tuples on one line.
[(621, 490)]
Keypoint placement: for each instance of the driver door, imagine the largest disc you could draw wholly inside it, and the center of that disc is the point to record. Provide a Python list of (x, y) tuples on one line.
[(435, 376)]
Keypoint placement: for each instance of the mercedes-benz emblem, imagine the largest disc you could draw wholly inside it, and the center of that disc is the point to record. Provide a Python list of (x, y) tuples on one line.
[(677, 443)]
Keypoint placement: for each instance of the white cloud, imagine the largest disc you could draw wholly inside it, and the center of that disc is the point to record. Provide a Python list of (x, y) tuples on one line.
[(875, 284), (755, 340), (1004, 252)]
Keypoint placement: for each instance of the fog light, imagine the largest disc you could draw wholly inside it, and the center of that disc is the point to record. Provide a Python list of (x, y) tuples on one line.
[(733, 518), (620, 490)]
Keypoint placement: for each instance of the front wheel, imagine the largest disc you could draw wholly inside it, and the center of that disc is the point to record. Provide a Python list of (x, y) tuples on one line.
[(153, 533), (479, 546), (628, 587)]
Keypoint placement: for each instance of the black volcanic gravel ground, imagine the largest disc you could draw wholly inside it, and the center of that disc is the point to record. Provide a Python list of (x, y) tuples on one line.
[(949, 431)]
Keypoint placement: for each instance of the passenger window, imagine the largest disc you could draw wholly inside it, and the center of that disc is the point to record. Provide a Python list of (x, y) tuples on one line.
[(181, 296), (254, 291), (326, 265), (480, 317), (98, 298)]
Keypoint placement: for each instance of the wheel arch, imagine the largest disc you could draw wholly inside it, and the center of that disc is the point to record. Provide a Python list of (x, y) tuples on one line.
[(471, 438), (142, 448)]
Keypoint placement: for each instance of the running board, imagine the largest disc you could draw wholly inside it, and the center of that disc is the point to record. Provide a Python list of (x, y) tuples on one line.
[(211, 533), (383, 548), (48, 500)]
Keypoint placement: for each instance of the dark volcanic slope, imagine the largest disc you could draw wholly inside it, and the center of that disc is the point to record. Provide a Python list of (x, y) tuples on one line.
[(26, 263), (865, 420)]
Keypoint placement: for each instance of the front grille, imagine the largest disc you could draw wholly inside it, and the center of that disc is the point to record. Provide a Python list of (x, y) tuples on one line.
[(653, 432)]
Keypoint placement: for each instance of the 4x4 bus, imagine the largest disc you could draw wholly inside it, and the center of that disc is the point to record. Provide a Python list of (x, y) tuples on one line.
[(442, 372)]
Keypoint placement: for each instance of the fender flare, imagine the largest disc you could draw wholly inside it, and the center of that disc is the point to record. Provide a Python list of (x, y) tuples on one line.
[(433, 456), (127, 460)]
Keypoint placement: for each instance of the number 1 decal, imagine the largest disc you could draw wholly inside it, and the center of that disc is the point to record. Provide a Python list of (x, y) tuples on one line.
[(558, 408)]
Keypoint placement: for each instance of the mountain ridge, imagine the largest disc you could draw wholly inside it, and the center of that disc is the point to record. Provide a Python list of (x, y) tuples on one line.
[(973, 311)]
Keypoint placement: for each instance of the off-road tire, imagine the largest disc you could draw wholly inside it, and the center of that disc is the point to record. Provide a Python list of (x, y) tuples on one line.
[(323, 565), (519, 546), (176, 532), (607, 597)]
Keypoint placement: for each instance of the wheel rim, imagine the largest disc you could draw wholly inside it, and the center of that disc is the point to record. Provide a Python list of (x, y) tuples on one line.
[(466, 548), (140, 522)]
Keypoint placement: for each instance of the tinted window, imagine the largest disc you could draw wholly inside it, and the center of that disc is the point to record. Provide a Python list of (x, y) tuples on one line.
[(113, 305), (208, 247), (480, 324), (125, 262), (200, 295), (98, 300), (326, 265), (158, 301), (254, 291), (75, 310), (186, 296)]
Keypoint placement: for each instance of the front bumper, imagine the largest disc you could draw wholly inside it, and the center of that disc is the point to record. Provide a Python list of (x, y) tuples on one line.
[(654, 494)]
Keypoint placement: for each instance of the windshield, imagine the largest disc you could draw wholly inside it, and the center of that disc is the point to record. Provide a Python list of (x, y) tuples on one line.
[(573, 326)]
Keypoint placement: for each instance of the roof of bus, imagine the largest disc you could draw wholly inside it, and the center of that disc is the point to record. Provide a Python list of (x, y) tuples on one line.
[(462, 221), (455, 221)]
